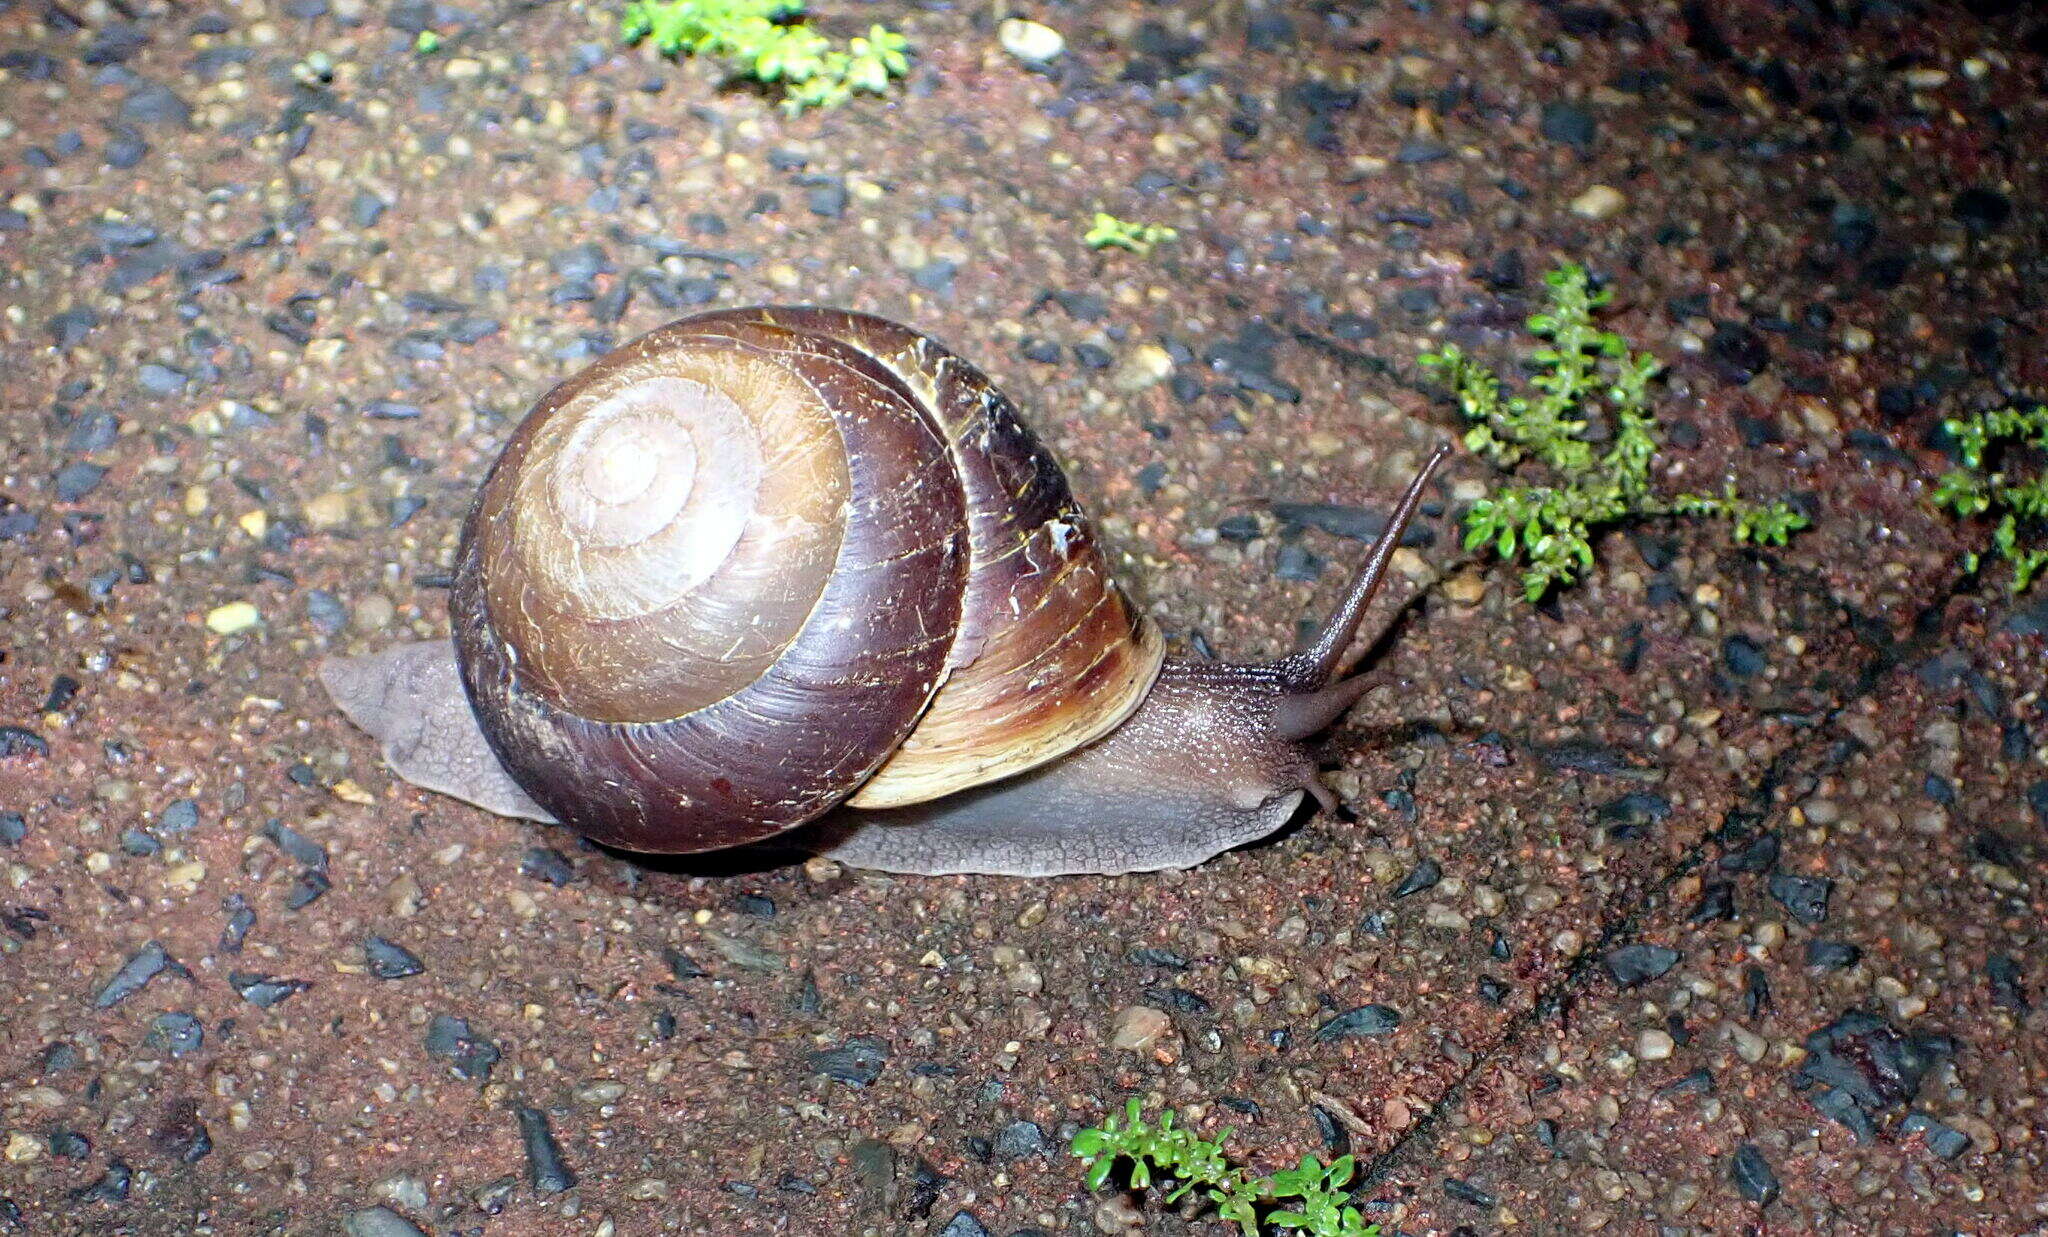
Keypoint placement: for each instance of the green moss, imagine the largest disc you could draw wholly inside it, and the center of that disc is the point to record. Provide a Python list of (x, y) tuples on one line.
[(1107, 231), (1548, 527), (1309, 1198), (2019, 505), (765, 40)]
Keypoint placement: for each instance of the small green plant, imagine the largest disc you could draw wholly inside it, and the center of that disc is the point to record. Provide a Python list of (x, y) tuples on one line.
[(766, 40), (1110, 232), (1308, 1198), (1549, 527), (2019, 504)]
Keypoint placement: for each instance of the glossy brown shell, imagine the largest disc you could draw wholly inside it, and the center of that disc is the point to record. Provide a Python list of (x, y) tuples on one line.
[(762, 560)]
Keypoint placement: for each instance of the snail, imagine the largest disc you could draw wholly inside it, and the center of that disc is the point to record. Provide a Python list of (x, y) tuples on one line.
[(760, 563)]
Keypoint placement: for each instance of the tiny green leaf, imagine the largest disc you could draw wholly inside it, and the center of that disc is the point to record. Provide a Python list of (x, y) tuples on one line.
[(764, 40), (1306, 1198), (1579, 367), (2009, 437)]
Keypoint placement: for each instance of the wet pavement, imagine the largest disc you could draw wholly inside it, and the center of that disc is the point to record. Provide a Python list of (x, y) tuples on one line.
[(1705, 899)]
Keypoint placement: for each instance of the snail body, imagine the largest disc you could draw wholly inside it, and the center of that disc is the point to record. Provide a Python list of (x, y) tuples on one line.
[(761, 563)]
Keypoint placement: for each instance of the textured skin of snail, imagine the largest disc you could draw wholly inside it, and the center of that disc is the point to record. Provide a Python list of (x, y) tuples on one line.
[(761, 563)]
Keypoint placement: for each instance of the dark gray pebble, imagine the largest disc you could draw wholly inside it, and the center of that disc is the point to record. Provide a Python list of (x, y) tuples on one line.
[(153, 103), (125, 148), (1158, 957), (547, 864), (1981, 209), (1569, 124), (1944, 1141), (545, 1168), (2008, 987), (310, 887), (1743, 657), (1756, 991), (178, 816), (300, 847), (471, 1055), (858, 1062), (176, 1032), (69, 329), (1465, 1192), (936, 276), (240, 919), (325, 611), (146, 964), (1832, 955), (754, 905), (1294, 562), (1760, 855), (1753, 1175), (581, 263), (387, 960), (1805, 896), (470, 328), (1636, 964), (827, 201), (1356, 523), (76, 480), (1629, 815), (1860, 1068), (1583, 756), (1698, 1082), (1366, 1022), (963, 1224), (379, 1222), (874, 1162), (111, 1187), (263, 991), (1238, 529), (1019, 1139), (181, 1135), (1742, 352), (70, 1144), (139, 843), (1418, 302), (13, 828), (1425, 875), (160, 379), (366, 208)]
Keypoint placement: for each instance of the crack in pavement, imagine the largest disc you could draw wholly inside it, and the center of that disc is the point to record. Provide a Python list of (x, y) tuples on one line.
[(1737, 825)]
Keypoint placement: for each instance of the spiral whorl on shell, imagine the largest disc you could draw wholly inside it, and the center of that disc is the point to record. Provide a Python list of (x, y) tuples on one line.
[(760, 561)]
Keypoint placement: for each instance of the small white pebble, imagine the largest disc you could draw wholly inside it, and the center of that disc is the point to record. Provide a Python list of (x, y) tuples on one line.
[(1138, 1028), (233, 617), (1654, 1045), (1030, 41), (1599, 202)]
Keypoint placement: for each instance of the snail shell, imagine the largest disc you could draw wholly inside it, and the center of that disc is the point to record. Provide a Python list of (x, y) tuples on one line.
[(763, 561)]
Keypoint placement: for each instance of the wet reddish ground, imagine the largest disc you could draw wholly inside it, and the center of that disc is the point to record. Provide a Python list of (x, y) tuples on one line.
[(1710, 896)]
